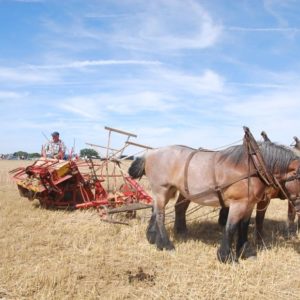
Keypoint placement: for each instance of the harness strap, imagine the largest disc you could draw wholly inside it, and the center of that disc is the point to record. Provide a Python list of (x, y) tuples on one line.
[(217, 188), (257, 158), (221, 187), (186, 168)]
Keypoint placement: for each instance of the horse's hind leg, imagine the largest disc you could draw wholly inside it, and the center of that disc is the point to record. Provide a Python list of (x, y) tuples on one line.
[(261, 208), (156, 231), (162, 239), (181, 207), (292, 226), (151, 229)]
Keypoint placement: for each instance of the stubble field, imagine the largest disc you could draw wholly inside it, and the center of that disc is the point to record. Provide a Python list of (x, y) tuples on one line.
[(52, 254)]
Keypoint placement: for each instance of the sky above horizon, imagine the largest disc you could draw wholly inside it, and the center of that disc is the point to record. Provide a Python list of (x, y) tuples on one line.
[(190, 72)]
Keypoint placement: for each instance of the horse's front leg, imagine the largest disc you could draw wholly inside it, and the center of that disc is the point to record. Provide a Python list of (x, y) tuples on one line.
[(224, 252), (243, 248), (238, 219), (181, 207)]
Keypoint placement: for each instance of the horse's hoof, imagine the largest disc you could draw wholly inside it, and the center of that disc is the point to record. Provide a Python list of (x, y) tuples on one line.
[(226, 257), (181, 234), (170, 247), (292, 233), (254, 257), (151, 236), (161, 244), (246, 251), (180, 230)]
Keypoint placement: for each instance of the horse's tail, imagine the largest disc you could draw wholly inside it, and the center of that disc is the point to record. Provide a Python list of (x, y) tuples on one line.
[(137, 168)]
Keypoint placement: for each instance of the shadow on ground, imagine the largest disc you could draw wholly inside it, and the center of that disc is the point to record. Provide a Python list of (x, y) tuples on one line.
[(275, 233)]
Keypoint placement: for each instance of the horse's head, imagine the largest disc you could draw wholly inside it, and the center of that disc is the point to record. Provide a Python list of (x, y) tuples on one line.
[(291, 184)]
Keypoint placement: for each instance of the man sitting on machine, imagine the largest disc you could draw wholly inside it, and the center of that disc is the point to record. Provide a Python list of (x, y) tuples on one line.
[(55, 148)]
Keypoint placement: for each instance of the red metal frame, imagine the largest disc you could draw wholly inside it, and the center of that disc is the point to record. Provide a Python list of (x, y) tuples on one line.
[(74, 188)]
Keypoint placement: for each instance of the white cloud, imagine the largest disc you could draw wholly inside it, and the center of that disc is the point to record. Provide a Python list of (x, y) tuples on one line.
[(94, 63), (208, 82), (29, 1), (88, 107), (168, 25), (9, 95), (157, 90), (265, 29), (98, 106), (25, 75), (276, 9), (267, 106), (165, 25), (139, 102)]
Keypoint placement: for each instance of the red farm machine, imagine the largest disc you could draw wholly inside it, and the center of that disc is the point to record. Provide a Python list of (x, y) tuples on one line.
[(84, 183)]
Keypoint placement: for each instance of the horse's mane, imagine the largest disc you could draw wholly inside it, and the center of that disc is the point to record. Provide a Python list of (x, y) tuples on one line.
[(275, 156)]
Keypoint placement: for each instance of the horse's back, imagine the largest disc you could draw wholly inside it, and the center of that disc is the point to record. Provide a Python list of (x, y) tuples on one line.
[(173, 165), (165, 164)]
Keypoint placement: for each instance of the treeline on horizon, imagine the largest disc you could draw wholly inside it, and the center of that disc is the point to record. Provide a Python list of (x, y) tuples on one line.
[(25, 155)]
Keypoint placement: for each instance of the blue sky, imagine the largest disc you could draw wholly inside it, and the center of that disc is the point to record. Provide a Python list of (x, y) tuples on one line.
[(189, 72)]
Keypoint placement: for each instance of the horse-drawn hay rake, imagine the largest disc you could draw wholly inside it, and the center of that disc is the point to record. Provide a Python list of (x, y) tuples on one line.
[(85, 183)]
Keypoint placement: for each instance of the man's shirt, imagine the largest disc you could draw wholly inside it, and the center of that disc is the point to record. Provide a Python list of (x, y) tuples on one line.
[(52, 148)]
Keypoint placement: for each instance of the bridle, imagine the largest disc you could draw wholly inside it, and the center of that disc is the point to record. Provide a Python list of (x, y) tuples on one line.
[(266, 176)]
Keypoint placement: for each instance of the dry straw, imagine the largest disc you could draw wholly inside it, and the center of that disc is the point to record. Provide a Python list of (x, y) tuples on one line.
[(47, 254)]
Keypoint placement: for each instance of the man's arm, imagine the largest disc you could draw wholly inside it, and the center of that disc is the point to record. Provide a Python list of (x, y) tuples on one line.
[(62, 150)]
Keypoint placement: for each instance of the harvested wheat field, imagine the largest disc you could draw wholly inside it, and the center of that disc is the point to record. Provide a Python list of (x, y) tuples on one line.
[(52, 254)]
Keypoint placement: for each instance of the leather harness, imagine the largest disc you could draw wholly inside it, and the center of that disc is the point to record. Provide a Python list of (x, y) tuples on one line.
[(260, 171), (218, 189)]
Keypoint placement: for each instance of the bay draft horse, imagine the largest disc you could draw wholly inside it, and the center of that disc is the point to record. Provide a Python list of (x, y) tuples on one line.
[(224, 178), (263, 205)]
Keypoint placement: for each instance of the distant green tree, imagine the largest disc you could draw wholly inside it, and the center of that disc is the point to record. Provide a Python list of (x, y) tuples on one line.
[(34, 155), (89, 153), (21, 154)]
